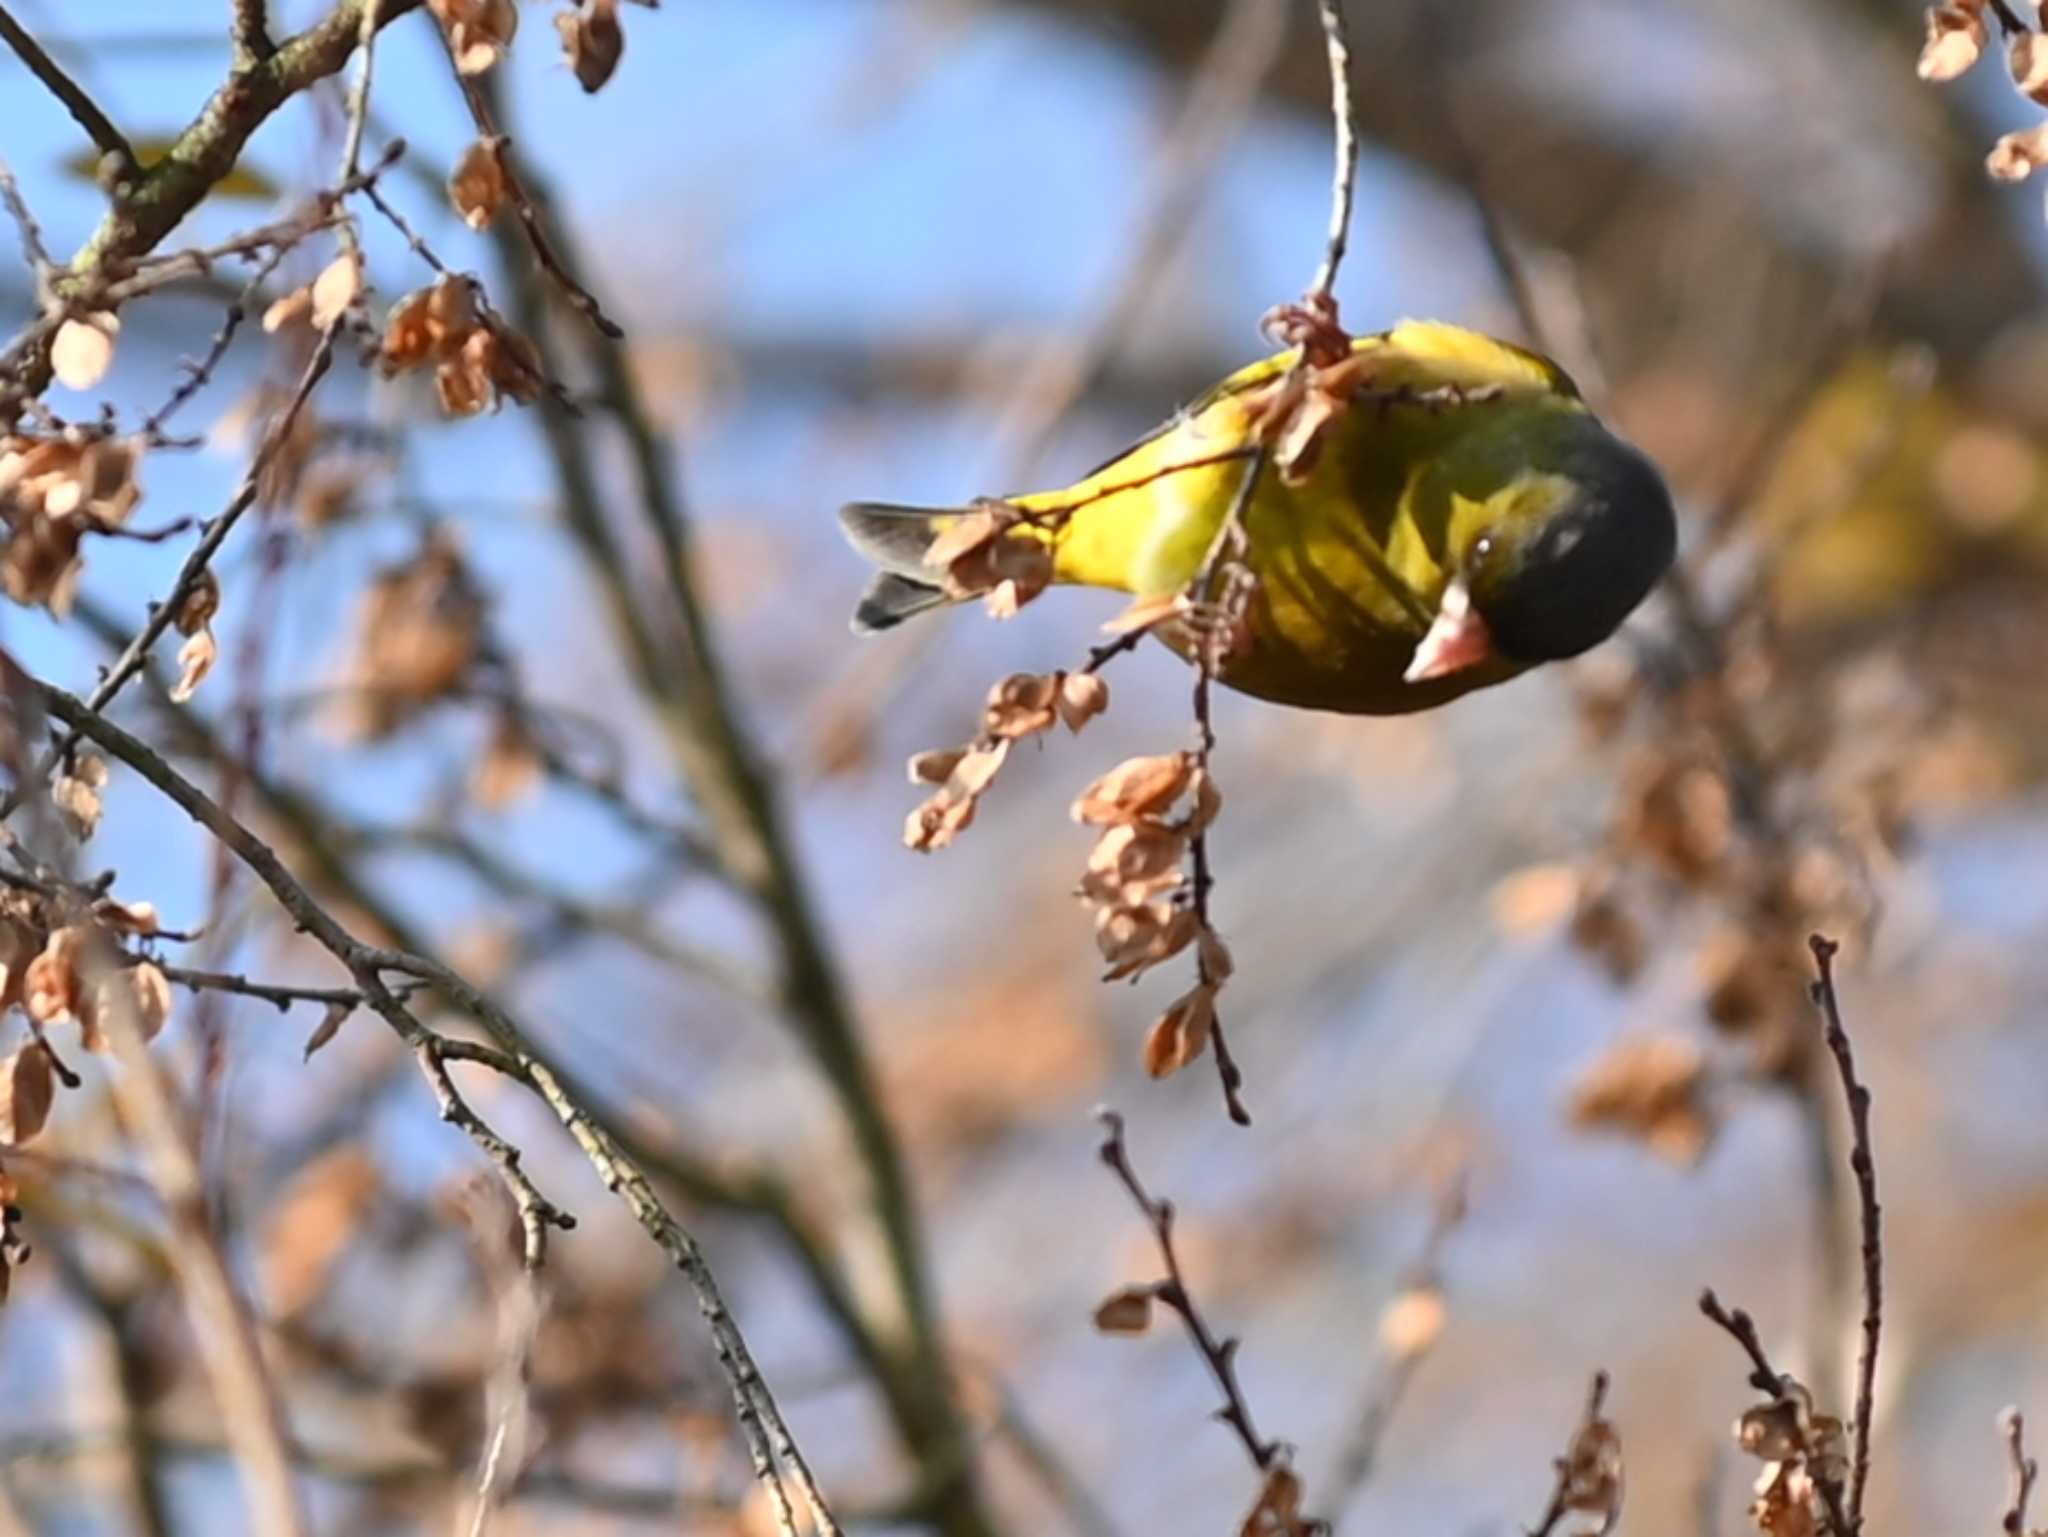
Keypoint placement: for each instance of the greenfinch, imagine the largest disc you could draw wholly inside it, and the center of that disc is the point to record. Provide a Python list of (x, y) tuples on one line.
[(1448, 515)]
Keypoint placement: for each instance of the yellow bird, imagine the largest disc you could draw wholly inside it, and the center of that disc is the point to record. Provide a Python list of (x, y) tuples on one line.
[(1464, 518)]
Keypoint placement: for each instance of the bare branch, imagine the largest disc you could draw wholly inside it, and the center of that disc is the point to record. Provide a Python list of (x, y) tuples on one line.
[(1220, 1356), (1344, 123), (768, 1436), (1863, 1166), (2024, 1471), (98, 126)]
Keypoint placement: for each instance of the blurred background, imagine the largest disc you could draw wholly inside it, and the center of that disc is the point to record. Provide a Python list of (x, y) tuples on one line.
[(1546, 947)]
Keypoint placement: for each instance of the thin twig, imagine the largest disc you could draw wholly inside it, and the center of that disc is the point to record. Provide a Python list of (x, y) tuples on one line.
[(1399, 1360), (197, 375), (1863, 1165), (1219, 1355), (280, 996), (32, 246), (2024, 1471), (1344, 122), (82, 107)]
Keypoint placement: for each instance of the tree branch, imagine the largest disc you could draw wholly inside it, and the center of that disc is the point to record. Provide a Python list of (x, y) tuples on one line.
[(98, 126), (767, 1434), (1863, 1166)]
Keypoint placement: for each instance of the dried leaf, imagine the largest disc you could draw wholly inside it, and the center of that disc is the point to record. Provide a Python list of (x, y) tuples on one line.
[(1021, 705), (1135, 939), (1653, 1088), (330, 1026), (77, 794), (478, 31), (1082, 697), (1137, 787), (1181, 1034), (336, 289), (195, 660), (50, 990), (289, 310), (83, 349), (133, 918), (27, 1090), (1278, 1510), (2027, 55), (200, 603), (477, 187), (1955, 40), (510, 769), (936, 766), (2017, 155), (1127, 1310), (592, 41), (1132, 863), (311, 1225), (966, 534), (1217, 963)]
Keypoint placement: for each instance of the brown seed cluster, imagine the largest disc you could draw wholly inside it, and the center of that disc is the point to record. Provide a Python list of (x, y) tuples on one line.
[(419, 632), (478, 186), (1957, 35), (1653, 1088), (996, 552), (67, 967), (477, 358), (480, 31), (54, 490), (1021, 705), (1150, 810), (1805, 1461)]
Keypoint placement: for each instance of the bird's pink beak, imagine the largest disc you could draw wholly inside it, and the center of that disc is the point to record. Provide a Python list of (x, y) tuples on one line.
[(1457, 640)]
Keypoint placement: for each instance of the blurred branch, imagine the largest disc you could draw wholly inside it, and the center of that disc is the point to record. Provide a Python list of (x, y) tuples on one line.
[(767, 1435), (1864, 1167), (683, 678), (98, 126), (1410, 1326), (252, 1416)]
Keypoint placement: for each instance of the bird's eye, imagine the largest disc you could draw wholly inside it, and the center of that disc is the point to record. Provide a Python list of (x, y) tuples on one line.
[(1482, 549)]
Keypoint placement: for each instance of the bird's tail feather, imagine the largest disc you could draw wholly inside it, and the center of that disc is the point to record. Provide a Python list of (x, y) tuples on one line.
[(895, 539)]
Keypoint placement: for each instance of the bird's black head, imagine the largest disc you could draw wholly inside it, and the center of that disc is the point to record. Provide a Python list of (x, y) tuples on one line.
[(1582, 539)]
